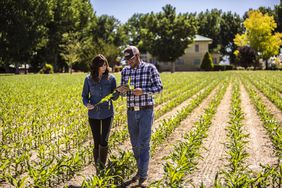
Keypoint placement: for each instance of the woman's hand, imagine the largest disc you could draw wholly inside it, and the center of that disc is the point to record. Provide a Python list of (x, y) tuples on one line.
[(115, 95), (90, 106), (122, 89)]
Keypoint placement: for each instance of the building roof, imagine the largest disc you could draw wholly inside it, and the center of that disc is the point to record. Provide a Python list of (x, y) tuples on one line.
[(200, 38)]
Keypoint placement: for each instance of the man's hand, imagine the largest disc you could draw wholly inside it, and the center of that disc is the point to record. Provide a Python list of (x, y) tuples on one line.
[(137, 91), (90, 106)]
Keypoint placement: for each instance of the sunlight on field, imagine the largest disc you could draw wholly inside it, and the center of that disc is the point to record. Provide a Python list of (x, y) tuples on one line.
[(46, 140)]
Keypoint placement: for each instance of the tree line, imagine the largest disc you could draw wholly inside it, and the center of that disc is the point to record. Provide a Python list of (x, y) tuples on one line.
[(68, 33)]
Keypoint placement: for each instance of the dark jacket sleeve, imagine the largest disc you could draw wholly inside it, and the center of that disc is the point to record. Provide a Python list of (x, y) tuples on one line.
[(85, 92)]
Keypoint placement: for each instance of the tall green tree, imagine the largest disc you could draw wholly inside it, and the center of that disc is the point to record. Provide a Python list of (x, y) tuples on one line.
[(167, 34), (259, 35), (70, 49), (68, 16), (209, 23), (22, 27), (88, 38), (110, 35), (278, 12), (231, 24), (134, 27)]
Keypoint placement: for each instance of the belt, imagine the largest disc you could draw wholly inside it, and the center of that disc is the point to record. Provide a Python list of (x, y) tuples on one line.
[(137, 108)]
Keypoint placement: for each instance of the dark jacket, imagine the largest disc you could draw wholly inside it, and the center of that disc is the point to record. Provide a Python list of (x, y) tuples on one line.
[(93, 92)]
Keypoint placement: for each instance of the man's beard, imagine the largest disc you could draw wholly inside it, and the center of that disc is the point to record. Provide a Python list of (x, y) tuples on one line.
[(134, 64)]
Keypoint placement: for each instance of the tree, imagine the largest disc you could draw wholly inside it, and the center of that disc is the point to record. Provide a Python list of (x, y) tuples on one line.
[(278, 10), (231, 24), (31, 31), (133, 29), (209, 23), (167, 35), (276, 13), (22, 29), (247, 57), (71, 49), (259, 35), (68, 16), (110, 35), (207, 63)]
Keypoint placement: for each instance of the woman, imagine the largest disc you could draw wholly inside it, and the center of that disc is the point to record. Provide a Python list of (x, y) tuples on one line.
[(97, 85)]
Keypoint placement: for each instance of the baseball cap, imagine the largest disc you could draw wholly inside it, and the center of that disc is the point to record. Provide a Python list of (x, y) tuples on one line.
[(130, 52)]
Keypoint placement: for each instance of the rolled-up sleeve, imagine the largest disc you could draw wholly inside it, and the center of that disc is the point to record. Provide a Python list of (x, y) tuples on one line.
[(123, 82), (156, 83)]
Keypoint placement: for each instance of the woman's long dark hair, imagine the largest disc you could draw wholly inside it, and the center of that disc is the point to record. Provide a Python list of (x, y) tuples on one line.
[(97, 62)]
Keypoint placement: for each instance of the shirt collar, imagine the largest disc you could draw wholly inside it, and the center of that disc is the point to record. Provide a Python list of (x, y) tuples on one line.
[(141, 64)]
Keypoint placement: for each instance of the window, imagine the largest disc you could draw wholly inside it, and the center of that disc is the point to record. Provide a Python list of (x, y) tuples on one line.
[(197, 49), (214, 60), (196, 62), (180, 61)]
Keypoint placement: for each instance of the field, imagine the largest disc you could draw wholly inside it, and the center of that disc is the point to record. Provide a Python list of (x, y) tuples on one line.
[(217, 129)]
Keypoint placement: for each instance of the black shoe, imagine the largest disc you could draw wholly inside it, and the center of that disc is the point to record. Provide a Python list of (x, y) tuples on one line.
[(103, 153), (142, 182), (135, 178), (132, 180)]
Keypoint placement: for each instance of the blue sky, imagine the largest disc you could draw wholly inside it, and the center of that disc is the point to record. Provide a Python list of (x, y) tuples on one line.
[(124, 9)]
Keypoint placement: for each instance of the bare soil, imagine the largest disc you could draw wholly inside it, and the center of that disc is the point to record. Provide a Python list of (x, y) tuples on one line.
[(156, 163), (270, 106), (259, 148), (213, 150)]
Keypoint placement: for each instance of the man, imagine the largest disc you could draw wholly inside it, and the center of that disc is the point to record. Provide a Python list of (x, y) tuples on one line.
[(144, 81)]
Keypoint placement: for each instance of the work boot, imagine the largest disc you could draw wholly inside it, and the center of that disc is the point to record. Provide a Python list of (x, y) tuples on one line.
[(96, 158), (143, 182), (103, 155), (134, 179)]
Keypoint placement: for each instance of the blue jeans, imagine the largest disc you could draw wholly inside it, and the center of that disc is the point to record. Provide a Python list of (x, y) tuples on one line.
[(140, 129)]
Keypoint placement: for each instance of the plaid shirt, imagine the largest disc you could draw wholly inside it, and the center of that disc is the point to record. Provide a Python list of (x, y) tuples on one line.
[(146, 77)]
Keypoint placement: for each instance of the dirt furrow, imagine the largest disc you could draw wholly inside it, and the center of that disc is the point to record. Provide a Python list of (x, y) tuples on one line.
[(156, 163), (270, 106), (213, 150), (259, 147)]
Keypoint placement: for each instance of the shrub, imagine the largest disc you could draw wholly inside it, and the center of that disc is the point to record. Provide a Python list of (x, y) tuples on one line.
[(229, 67), (207, 63), (47, 69), (222, 67), (218, 68)]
